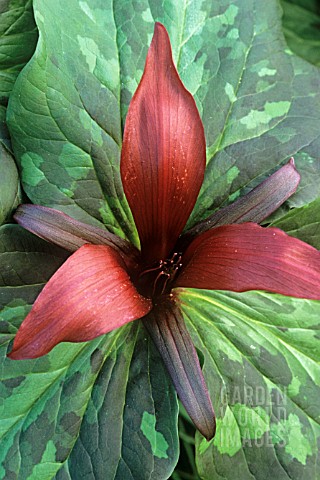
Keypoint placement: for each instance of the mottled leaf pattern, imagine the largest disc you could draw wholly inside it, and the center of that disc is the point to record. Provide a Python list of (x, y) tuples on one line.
[(261, 357), (133, 386), (101, 379), (68, 97), (51, 394), (106, 409), (251, 92)]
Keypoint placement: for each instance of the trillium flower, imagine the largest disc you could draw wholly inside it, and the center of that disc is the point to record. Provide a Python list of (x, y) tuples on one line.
[(107, 282)]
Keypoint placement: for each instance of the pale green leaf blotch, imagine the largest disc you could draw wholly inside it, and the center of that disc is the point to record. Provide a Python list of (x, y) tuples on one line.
[(158, 443), (289, 431)]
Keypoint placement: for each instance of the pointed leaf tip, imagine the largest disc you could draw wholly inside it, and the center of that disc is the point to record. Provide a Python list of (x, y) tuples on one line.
[(163, 153), (167, 329), (90, 295)]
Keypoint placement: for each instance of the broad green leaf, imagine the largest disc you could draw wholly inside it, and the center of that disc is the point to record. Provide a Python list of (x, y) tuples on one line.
[(303, 223), (261, 362), (301, 20), (105, 409), (64, 115), (18, 37), (26, 264), (129, 429), (9, 184)]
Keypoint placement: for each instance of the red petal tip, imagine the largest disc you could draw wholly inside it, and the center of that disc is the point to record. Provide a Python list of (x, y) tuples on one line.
[(163, 153)]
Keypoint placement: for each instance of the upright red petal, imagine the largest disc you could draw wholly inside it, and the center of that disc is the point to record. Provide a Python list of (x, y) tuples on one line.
[(163, 153), (91, 294), (248, 257)]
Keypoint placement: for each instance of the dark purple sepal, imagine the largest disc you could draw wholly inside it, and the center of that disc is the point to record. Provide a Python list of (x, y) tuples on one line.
[(256, 205), (167, 329), (58, 228)]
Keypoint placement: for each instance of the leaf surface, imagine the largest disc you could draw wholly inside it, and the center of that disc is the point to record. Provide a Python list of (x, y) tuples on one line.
[(9, 184), (261, 364), (64, 116), (259, 103), (301, 28), (303, 223), (117, 380), (18, 37)]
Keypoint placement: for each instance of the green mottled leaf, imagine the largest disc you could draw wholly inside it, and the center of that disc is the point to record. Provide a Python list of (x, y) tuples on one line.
[(301, 20), (68, 97), (232, 57), (82, 398), (9, 184), (261, 361), (129, 429)]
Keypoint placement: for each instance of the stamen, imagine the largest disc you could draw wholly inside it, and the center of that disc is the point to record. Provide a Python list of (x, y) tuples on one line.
[(157, 279), (167, 270), (161, 263)]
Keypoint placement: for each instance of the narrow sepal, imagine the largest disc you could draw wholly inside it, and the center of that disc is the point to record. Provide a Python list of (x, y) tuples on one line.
[(91, 294), (163, 153), (58, 228), (255, 206), (166, 326), (249, 257)]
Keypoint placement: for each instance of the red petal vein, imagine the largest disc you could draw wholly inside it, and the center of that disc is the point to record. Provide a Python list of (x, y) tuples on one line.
[(163, 153), (91, 294), (248, 257)]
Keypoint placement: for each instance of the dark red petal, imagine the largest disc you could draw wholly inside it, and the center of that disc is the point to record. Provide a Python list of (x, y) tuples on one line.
[(256, 205), (249, 257), (57, 227), (91, 294), (167, 329), (163, 153)]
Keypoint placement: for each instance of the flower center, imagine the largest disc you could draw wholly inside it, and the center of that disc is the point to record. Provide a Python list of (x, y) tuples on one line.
[(156, 281)]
